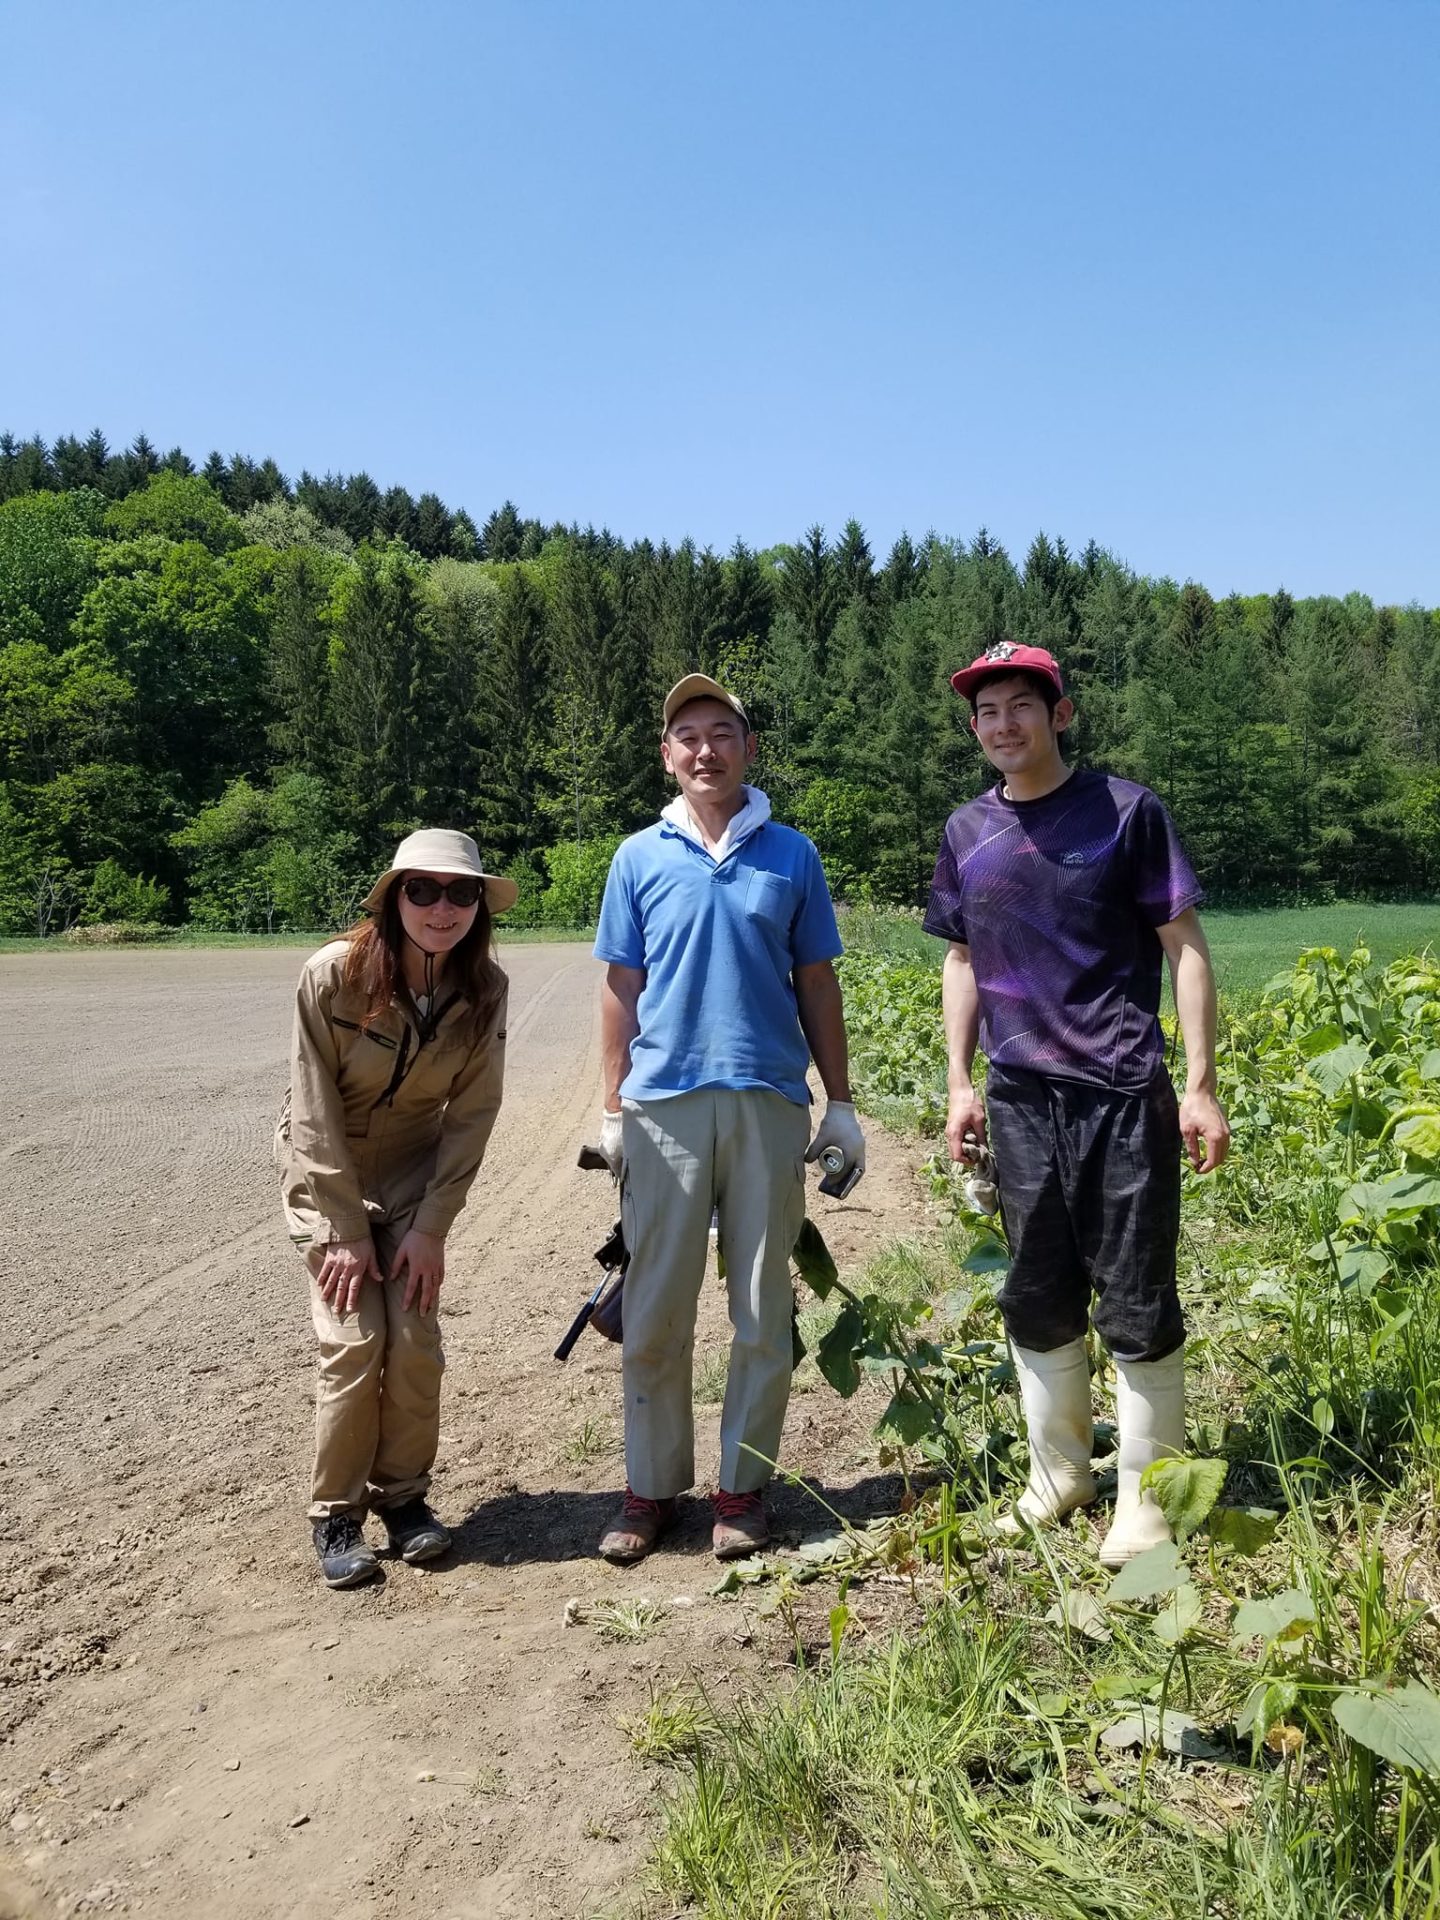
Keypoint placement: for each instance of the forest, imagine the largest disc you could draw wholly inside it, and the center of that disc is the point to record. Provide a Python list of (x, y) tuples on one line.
[(224, 695)]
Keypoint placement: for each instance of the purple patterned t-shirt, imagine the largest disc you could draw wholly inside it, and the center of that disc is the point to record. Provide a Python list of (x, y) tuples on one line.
[(1058, 900)]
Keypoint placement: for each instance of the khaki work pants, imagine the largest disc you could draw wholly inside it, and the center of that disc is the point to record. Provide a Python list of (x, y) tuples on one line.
[(743, 1153), (377, 1402)]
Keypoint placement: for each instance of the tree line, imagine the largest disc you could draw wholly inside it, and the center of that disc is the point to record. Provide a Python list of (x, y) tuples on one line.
[(223, 696)]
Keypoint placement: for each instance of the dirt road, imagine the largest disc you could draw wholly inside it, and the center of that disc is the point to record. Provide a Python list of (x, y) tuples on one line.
[(190, 1723)]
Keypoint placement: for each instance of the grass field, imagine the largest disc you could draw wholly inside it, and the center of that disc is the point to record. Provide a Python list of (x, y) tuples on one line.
[(1245, 1726), (1250, 947)]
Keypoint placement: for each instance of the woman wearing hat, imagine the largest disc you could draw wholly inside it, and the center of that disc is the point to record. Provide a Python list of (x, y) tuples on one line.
[(397, 1065)]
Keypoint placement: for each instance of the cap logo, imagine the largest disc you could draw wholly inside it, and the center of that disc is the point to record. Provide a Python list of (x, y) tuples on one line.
[(1002, 650)]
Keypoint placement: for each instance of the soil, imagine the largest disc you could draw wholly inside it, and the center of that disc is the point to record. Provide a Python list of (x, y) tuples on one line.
[(191, 1723)]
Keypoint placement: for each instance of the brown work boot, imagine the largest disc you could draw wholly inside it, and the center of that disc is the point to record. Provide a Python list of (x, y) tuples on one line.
[(635, 1528), (740, 1525)]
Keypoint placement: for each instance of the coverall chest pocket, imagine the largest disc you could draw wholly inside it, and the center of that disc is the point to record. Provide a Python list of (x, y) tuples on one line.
[(770, 897)]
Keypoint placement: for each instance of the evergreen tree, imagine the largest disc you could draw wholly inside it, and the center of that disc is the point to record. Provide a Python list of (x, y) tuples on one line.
[(378, 692), (587, 700), (811, 593), (500, 537), (462, 599), (396, 517), (434, 528), (298, 662), (464, 539), (360, 513), (904, 571), (511, 718), (749, 599), (854, 564)]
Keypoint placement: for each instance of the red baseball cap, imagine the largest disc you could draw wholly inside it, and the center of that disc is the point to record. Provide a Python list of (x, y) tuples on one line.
[(1006, 656)]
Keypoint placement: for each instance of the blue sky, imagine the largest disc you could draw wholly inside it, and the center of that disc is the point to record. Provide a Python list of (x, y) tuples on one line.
[(1163, 274)]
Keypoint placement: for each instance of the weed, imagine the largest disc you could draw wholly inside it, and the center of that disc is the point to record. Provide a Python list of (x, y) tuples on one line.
[(674, 1724), (630, 1619), (1262, 1692), (590, 1442), (708, 1389)]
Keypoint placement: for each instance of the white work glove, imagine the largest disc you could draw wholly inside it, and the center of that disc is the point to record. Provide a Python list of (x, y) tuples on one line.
[(839, 1128), (612, 1143)]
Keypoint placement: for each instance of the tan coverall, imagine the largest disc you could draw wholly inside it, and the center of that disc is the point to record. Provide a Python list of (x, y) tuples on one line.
[(360, 1154)]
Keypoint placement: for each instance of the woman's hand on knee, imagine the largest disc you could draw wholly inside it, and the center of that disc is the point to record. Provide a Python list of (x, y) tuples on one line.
[(347, 1265), (423, 1257)]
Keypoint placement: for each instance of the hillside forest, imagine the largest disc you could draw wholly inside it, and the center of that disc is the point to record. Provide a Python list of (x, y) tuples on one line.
[(224, 695)]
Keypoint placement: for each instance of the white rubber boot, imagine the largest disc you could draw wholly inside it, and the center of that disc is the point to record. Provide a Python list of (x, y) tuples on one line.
[(1055, 1393), (1150, 1414)]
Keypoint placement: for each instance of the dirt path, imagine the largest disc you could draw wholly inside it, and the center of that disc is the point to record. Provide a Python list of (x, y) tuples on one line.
[(190, 1723)]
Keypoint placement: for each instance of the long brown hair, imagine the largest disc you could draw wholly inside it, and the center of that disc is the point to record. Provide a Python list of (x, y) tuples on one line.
[(374, 966)]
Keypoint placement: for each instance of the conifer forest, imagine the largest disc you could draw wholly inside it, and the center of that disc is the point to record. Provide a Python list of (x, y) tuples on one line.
[(224, 695)]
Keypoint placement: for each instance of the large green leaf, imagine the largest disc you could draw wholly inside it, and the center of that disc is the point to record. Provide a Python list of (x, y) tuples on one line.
[(1185, 1489), (1284, 1616), (1266, 1702), (1420, 1136), (1401, 1724), (1081, 1610), (813, 1260), (835, 1356), (1244, 1530), (988, 1255), (1157, 1570), (1320, 1040), (1363, 1268), (1430, 1065), (1403, 1196), (1175, 1732), (1180, 1614), (1331, 1070), (905, 1420)]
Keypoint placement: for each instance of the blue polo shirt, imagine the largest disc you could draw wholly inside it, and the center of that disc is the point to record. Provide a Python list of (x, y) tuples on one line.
[(718, 941)]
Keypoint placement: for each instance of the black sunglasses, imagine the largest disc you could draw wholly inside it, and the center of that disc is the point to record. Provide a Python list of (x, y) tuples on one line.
[(421, 891)]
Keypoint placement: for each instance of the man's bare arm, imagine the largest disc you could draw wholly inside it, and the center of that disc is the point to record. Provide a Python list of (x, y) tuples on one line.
[(1203, 1125), (961, 1003), (822, 1021)]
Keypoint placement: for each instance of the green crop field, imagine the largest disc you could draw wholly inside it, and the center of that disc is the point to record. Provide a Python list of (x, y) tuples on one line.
[(1243, 1725), (1249, 946)]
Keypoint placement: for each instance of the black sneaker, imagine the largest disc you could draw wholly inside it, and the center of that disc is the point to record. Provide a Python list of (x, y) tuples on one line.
[(346, 1557), (415, 1534)]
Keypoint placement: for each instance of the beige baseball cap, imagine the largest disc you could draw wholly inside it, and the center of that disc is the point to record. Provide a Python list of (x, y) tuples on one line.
[(699, 686), (440, 850)]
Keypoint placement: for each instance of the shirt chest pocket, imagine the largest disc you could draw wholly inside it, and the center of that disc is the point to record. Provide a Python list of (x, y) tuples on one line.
[(770, 899), (434, 1070)]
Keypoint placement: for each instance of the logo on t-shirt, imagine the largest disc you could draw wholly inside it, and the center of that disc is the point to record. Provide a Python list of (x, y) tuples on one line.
[(1073, 860)]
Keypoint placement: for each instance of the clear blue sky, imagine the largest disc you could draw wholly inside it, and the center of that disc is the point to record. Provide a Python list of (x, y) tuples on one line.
[(1162, 273)]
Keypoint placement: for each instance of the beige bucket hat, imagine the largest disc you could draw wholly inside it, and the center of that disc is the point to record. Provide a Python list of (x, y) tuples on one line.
[(698, 686), (439, 850)]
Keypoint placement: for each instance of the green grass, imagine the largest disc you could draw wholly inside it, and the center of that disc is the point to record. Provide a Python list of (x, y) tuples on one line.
[(967, 1738), (1249, 947)]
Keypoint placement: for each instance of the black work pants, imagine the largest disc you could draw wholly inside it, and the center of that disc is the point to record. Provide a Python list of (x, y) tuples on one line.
[(1090, 1195)]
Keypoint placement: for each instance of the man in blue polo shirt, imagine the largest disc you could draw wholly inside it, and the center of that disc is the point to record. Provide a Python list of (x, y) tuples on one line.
[(718, 937)]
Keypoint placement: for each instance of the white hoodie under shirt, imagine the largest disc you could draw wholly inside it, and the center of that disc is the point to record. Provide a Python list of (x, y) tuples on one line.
[(752, 815)]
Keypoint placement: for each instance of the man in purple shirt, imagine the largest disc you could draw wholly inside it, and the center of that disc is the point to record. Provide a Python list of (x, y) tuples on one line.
[(1059, 890)]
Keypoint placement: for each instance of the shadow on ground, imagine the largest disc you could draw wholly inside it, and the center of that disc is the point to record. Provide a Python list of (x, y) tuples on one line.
[(519, 1527)]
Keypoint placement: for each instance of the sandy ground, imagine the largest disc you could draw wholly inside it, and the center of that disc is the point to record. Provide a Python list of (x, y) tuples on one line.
[(190, 1722)]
